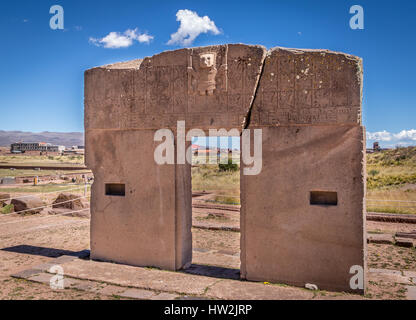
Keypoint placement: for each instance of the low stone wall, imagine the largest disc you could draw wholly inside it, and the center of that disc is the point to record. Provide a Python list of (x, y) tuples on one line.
[(66, 176)]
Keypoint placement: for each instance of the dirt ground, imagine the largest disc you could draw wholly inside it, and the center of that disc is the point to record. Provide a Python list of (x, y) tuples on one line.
[(33, 240)]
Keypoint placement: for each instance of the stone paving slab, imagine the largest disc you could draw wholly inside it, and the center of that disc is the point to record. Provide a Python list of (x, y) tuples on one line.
[(382, 238), (138, 294), (45, 278), (144, 278), (244, 290), (156, 284), (411, 292), (45, 266), (165, 296), (26, 274), (42, 278), (199, 282), (110, 290)]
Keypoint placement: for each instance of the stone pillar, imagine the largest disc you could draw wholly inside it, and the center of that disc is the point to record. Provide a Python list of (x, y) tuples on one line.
[(140, 210), (303, 216)]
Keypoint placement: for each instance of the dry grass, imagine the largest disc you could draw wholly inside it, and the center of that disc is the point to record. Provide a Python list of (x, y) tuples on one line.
[(42, 188), (395, 206), (209, 178), (42, 160), (392, 176), (31, 173)]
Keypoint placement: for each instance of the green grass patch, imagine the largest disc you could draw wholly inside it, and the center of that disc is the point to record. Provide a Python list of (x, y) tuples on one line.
[(227, 200), (379, 181), (7, 209), (208, 177)]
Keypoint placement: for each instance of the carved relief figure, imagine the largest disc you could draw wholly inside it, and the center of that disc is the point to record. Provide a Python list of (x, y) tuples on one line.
[(205, 75)]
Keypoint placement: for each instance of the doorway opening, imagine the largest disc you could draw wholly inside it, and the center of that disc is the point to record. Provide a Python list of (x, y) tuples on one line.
[(216, 204)]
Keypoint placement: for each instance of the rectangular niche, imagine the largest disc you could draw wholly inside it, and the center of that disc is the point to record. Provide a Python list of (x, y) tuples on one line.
[(326, 198), (115, 189)]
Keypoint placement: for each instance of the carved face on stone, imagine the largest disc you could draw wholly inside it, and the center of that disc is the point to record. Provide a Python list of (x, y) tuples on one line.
[(206, 60)]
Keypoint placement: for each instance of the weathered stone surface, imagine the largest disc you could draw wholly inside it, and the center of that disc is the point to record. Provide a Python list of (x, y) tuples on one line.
[(411, 293), (240, 290), (29, 204), (404, 242), (4, 199), (165, 296), (411, 235), (46, 278), (383, 238), (157, 92), (110, 290), (308, 104), (308, 87), (284, 237), (26, 274), (137, 294), (68, 201), (42, 278), (139, 228), (141, 278)]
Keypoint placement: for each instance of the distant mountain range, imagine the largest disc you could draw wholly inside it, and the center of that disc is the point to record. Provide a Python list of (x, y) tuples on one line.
[(67, 139)]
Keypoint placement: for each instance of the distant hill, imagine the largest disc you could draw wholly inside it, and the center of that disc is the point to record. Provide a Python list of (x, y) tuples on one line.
[(67, 139), (401, 156)]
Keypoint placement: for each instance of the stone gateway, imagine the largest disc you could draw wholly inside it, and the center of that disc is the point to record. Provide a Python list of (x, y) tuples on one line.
[(302, 216)]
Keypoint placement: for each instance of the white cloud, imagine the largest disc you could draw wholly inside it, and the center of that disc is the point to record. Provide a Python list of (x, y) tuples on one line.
[(115, 40), (402, 138), (191, 26), (406, 134), (144, 38), (379, 135)]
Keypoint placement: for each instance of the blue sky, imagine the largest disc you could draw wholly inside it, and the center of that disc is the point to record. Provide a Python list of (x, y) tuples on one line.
[(41, 79)]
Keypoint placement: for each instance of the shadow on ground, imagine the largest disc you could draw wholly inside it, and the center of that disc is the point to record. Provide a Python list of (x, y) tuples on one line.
[(46, 252), (213, 271)]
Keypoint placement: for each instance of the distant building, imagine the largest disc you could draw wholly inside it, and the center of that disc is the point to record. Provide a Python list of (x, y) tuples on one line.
[(34, 146), (74, 150)]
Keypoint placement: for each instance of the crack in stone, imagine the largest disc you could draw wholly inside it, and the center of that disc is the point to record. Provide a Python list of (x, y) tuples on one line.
[(248, 116)]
